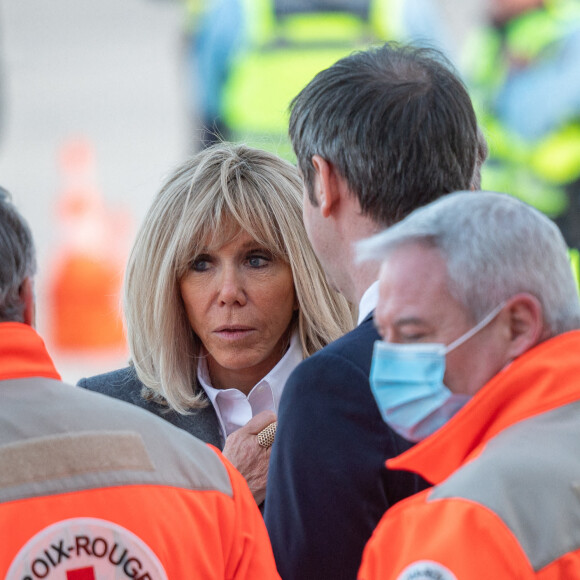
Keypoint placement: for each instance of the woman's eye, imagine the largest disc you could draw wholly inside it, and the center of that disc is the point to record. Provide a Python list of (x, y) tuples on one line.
[(200, 264), (258, 261)]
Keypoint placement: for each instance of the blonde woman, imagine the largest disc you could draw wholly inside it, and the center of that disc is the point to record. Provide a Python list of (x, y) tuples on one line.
[(223, 297)]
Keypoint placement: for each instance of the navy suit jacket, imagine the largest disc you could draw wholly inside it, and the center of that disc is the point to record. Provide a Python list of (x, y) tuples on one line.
[(328, 485), (124, 384)]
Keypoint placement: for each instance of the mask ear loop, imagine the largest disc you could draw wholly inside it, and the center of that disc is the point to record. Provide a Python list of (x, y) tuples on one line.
[(481, 324)]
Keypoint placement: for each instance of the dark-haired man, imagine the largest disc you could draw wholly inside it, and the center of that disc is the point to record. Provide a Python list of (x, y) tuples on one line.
[(376, 135)]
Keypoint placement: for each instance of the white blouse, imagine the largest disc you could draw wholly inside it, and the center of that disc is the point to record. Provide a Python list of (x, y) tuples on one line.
[(233, 408)]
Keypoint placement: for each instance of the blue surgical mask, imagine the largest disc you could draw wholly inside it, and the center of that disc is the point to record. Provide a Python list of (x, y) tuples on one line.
[(407, 383)]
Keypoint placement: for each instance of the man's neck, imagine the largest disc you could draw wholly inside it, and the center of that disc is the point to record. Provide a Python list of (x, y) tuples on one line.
[(363, 278), (348, 225), (359, 275), (353, 278)]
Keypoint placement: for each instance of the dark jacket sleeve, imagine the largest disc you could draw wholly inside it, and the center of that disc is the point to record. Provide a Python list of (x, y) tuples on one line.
[(124, 384), (328, 485)]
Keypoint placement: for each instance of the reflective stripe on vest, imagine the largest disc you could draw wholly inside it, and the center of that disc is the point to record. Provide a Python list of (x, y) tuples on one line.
[(505, 479)]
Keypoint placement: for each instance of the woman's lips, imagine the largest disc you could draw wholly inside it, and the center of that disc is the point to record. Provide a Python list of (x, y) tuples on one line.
[(233, 332)]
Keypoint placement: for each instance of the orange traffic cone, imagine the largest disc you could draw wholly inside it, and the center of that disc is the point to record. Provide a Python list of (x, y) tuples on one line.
[(84, 289)]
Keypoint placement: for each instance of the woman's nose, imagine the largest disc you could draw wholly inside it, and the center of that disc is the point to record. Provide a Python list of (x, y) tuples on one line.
[(231, 288)]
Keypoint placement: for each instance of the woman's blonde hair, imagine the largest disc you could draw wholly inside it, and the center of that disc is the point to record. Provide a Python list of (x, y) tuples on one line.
[(224, 183)]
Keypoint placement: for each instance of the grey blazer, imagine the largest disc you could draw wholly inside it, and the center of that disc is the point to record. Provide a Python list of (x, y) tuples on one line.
[(123, 384)]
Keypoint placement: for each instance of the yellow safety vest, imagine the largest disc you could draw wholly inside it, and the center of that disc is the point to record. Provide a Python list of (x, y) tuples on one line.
[(283, 54), (195, 10), (536, 171)]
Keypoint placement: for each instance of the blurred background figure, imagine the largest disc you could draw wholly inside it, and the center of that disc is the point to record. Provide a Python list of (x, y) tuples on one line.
[(195, 12), (519, 59), (249, 58), (253, 57), (523, 69)]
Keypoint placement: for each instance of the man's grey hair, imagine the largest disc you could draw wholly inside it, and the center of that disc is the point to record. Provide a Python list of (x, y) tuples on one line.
[(495, 246), (17, 259)]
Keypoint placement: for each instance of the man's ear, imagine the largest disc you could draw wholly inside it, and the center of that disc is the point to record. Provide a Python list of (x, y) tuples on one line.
[(27, 297), (524, 324), (327, 192)]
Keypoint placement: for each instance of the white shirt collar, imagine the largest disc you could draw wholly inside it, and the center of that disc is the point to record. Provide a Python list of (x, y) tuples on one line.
[(233, 408), (368, 302)]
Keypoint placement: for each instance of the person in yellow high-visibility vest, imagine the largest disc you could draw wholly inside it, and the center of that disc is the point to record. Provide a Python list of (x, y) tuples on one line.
[(523, 73), (253, 56)]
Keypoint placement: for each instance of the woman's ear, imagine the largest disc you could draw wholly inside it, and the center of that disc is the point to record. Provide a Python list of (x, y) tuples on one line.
[(524, 324)]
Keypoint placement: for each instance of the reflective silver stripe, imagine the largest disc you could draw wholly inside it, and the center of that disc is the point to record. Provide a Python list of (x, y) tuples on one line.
[(529, 475), (74, 439)]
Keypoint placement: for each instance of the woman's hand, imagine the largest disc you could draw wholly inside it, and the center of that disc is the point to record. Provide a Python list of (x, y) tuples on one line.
[(248, 457)]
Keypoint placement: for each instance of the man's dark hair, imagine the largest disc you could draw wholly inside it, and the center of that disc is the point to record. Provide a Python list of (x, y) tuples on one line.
[(17, 259), (397, 124)]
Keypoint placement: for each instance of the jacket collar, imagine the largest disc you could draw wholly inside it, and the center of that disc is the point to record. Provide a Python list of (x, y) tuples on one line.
[(542, 379), (23, 353)]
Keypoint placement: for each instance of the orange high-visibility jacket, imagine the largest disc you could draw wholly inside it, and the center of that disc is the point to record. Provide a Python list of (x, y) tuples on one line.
[(92, 488), (506, 469)]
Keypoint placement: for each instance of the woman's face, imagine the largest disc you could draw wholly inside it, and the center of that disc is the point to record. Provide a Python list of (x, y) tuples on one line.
[(239, 300)]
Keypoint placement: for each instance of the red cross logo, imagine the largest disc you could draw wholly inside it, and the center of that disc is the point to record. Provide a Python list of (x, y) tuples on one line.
[(81, 574)]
